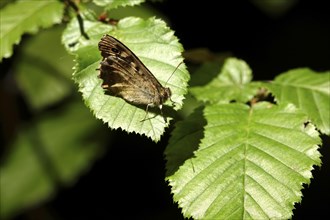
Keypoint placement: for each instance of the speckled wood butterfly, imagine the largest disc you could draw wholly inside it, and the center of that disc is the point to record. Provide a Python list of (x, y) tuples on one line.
[(125, 76)]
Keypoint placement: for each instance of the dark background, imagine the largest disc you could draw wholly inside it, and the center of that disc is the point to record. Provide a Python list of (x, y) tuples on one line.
[(128, 182), (270, 45)]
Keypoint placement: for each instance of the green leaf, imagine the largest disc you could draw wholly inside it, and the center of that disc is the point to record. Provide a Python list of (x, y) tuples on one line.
[(233, 83), (49, 153), (185, 140), (154, 43), (73, 40), (3, 3), (251, 163), (111, 4), (43, 77), (26, 17), (205, 73), (308, 90)]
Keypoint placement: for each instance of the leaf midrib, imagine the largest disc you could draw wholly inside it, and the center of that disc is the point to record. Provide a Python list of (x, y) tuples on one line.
[(245, 159)]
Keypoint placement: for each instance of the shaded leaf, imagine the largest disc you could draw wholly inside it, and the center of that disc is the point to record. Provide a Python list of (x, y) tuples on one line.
[(154, 43), (308, 90), (3, 3), (185, 139), (251, 163), (233, 83), (48, 154), (207, 72), (44, 77), (26, 17)]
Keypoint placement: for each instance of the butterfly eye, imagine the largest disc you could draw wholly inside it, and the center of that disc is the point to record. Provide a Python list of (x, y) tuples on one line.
[(115, 50)]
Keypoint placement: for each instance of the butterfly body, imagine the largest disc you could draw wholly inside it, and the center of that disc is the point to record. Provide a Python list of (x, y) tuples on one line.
[(125, 76)]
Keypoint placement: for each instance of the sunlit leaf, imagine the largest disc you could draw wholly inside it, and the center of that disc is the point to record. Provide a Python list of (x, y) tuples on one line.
[(157, 47), (232, 83), (26, 17), (308, 90), (111, 4), (251, 163)]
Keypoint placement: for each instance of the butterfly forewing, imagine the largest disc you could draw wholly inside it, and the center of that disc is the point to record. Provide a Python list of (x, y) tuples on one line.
[(125, 76)]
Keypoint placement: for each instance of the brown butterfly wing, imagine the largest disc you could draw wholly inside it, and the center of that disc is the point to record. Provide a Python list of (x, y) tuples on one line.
[(124, 75)]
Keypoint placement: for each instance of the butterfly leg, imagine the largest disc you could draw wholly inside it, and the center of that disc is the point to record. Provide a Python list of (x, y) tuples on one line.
[(145, 116), (161, 112)]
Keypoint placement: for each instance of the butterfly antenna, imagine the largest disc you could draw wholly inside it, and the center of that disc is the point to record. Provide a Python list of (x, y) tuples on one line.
[(173, 73), (171, 76)]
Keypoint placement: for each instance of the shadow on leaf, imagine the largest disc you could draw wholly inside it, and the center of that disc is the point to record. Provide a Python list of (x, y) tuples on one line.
[(184, 140)]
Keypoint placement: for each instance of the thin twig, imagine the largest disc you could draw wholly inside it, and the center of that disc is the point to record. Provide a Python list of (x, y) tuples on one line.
[(79, 18)]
